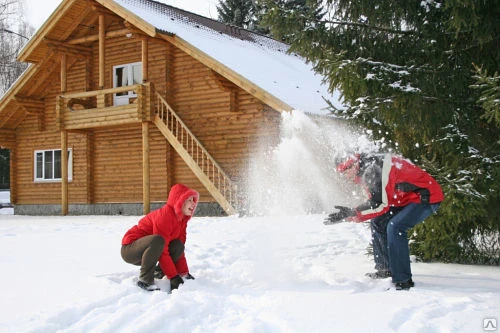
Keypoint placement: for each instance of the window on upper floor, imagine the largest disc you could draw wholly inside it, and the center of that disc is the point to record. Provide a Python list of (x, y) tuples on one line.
[(48, 165), (126, 75)]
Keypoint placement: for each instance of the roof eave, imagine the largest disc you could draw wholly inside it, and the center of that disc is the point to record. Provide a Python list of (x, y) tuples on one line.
[(16, 86), (60, 11), (39, 36)]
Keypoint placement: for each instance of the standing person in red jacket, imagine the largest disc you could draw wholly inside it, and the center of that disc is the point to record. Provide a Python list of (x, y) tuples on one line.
[(401, 195), (160, 237)]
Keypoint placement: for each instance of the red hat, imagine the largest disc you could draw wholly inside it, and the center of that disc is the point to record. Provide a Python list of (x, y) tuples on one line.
[(349, 163), (350, 168)]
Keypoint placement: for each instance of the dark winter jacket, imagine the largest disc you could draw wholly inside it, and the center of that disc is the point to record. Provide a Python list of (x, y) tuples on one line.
[(393, 181), (168, 222)]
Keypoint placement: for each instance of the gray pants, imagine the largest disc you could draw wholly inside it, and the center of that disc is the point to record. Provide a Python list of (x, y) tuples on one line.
[(146, 251)]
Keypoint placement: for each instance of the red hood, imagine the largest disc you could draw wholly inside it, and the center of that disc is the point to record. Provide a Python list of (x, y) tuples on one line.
[(350, 168), (179, 193)]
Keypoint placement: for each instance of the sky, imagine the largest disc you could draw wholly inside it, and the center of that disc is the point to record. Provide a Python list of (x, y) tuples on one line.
[(38, 11)]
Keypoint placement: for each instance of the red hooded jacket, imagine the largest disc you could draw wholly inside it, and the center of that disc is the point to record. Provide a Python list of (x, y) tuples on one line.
[(168, 222)]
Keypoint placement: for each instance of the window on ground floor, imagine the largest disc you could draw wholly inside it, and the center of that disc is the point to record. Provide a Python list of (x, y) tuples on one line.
[(48, 165)]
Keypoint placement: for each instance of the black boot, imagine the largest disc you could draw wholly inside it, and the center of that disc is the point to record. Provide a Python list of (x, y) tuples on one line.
[(147, 286), (406, 285), (379, 275)]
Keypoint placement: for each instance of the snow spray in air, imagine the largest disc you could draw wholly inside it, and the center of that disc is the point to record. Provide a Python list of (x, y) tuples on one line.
[(298, 176)]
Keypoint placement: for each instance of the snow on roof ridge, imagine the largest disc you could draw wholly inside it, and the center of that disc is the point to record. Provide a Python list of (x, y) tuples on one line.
[(200, 21)]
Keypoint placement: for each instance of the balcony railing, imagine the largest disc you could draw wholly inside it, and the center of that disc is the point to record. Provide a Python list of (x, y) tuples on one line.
[(91, 109)]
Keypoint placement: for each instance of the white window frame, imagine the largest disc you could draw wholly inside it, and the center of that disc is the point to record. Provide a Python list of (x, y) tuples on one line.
[(128, 80), (45, 169)]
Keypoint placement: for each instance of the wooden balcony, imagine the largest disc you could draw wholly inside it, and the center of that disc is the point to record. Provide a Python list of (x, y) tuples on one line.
[(91, 109)]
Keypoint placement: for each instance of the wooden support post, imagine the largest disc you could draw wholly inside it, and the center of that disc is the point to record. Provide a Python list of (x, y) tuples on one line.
[(102, 32), (64, 144), (64, 61), (145, 168), (13, 175), (90, 166), (64, 172), (144, 44)]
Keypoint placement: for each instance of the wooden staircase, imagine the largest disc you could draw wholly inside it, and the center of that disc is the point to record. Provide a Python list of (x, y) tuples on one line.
[(194, 154)]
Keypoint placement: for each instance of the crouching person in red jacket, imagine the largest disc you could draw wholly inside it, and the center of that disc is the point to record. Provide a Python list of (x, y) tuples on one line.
[(400, 195), (159, 237)]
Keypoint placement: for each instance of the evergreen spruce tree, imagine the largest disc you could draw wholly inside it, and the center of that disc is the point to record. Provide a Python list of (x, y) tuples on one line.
[(243, 13), (416, 74), (236, 12)]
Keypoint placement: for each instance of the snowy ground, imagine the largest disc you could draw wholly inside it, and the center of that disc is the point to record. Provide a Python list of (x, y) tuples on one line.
[(261, 274), (255, 274)]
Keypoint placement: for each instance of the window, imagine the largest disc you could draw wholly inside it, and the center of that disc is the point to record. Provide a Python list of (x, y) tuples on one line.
[(48, 165), (126, 75)]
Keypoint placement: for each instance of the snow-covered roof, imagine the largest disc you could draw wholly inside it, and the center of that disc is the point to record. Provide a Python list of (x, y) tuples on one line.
[(261, 60)]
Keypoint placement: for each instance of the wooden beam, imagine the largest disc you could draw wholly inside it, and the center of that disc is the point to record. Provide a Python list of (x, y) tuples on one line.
[(90, 167), (65, 48), (64, 172), (13, 175), (43, 70), (145, 168), (144, 44), (64, 70), (102, 30), (94, 38), (229, 87), (222, 82), (34, 107)]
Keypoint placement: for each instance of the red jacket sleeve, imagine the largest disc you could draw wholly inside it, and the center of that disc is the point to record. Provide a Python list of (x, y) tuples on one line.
[(182, 266), (163, 225)]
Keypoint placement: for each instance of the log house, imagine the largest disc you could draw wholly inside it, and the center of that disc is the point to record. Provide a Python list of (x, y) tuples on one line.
[(115, 108)]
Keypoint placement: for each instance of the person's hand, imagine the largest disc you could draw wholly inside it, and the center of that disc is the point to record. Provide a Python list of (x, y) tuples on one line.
[(175, 282), (188, 276), (337, 217)]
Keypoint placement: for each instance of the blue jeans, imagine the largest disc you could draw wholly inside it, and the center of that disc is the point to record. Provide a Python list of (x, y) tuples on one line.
[(390, 239)]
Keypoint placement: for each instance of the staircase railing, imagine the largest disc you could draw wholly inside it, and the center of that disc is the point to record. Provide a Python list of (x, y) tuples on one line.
[(195, 155)]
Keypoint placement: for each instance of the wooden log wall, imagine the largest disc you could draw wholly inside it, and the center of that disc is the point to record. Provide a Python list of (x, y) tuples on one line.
[(30, 138), (204, 105), (118, 165), (107, 162)]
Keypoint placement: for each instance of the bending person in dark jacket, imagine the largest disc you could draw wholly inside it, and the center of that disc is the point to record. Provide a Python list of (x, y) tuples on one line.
[(160, 237), (401, 195)]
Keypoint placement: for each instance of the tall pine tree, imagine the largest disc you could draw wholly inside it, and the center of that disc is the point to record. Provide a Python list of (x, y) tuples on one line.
[(243, 13), (407, 72), (236, 12)]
